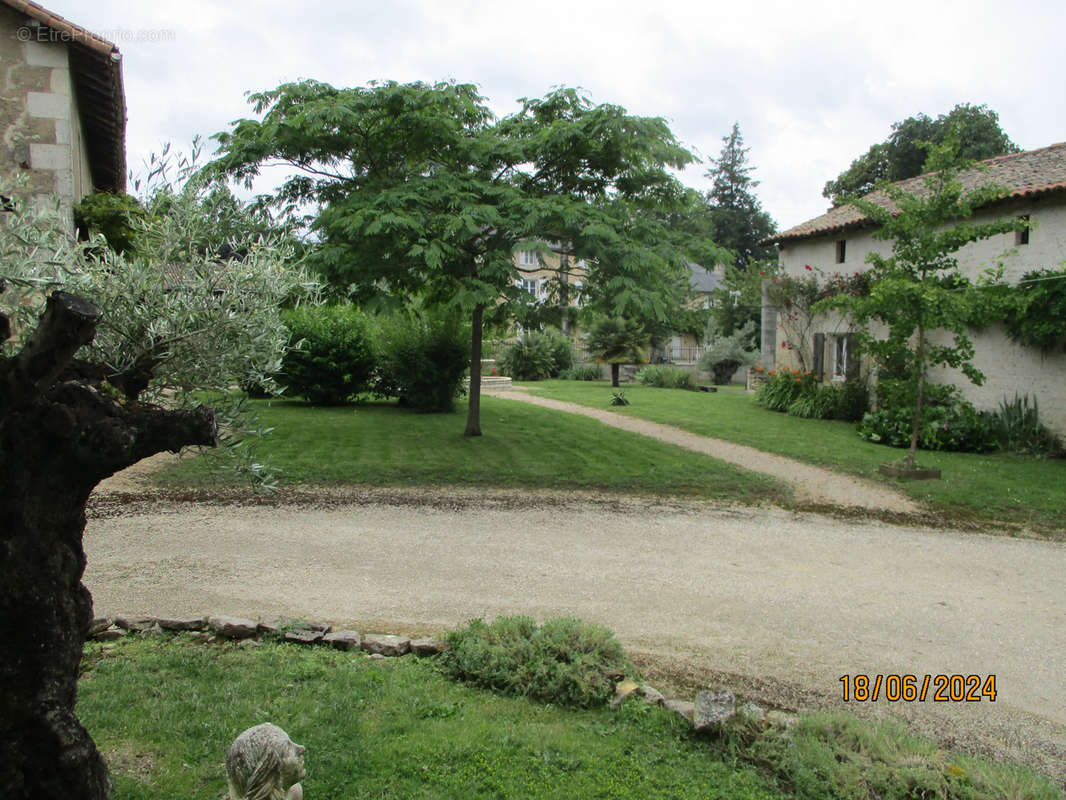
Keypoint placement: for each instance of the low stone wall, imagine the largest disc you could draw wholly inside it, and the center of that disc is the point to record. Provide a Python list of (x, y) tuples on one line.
[(706, 712)]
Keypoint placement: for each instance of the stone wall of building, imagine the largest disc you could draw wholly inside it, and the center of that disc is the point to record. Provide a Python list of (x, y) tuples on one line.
[(40, 130), (1009, 368)]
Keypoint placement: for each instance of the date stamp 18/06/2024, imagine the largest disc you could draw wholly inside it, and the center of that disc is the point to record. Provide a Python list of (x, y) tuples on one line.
[(914, 688)]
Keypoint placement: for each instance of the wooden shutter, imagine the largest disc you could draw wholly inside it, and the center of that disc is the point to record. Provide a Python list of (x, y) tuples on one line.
[(851, 372), (819, 355)]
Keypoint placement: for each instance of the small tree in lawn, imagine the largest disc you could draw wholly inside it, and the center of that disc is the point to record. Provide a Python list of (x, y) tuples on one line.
[(422, 190), (616, 341), (919, 290), (81, 392)]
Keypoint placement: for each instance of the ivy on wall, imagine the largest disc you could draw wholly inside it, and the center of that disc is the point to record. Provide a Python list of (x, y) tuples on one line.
[(1035, 310)]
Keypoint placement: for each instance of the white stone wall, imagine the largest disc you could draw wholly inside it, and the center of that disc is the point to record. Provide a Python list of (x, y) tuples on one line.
[(63, 154), (1009, 368)]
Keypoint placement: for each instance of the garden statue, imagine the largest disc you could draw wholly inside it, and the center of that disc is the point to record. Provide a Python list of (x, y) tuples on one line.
[(263, 763)]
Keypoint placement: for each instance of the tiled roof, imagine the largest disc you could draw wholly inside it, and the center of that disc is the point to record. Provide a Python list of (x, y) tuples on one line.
[(96, 72), (703, 280), (1027, 174)]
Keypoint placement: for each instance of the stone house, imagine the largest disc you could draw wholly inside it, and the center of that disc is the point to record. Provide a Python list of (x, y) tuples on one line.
[(839, 241), (539, 268), (62, 106)]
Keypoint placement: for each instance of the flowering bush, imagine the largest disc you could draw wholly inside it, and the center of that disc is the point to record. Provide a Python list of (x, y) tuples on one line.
[(796, 296), (799, 393), (783, 387)]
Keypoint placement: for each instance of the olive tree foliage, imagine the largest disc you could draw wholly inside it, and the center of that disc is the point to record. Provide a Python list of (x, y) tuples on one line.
[(422, 191), (918, 293), (100, 357)]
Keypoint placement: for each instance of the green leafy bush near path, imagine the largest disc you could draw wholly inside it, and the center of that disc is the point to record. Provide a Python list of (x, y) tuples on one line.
[(379, 444), (983, 488), (564, 661)]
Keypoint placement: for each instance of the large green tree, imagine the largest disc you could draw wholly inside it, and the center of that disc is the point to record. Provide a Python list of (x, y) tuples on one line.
[(422, 190), (902, 154), (740, 222), (918, 296)]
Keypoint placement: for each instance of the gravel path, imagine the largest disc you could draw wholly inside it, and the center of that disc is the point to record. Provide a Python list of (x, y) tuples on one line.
[(811, 484), (776, 604)]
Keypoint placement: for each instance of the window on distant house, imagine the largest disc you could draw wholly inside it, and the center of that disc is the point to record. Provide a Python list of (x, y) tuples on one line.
[(839, 357), (1021, 236), (842, 245), (529, 285), (528, 258)]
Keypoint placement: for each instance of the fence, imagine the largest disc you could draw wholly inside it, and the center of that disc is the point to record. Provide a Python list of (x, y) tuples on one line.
[(671, 354)]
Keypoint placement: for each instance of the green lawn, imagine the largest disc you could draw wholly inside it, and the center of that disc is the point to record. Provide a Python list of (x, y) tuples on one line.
[(164, 710), (381, 445), (164, 714), (984, 487)]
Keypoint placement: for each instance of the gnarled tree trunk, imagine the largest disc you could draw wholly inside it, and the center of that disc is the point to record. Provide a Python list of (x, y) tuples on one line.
[(60, 435)]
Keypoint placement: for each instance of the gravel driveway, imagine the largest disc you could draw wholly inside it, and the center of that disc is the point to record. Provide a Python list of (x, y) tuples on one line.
[(782, 604)]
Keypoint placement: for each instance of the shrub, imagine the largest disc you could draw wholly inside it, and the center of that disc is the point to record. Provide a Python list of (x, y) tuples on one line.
[(1016, 426), (817, 402), (586, 372), (530, 357), (536, 356), (333, 357), (562, 352), (726, 354), (422, 359), (851, 401), (958, 426), (564, 661), (782, 387), (896, 392), (666, 377)]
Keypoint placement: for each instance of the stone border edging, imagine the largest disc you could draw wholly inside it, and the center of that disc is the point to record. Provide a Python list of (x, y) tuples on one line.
[(706, 712)]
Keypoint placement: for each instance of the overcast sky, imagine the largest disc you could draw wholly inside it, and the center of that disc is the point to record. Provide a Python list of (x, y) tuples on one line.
[(813, 84)]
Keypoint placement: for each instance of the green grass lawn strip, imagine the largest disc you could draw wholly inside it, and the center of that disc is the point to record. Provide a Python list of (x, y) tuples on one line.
[(164, 711), (379, 444), (987, 486)]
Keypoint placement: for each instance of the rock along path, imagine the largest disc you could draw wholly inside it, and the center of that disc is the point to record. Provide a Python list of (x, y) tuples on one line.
[(811, 484)]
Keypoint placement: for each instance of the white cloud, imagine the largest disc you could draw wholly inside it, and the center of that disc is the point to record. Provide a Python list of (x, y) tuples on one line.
[(812, 84)]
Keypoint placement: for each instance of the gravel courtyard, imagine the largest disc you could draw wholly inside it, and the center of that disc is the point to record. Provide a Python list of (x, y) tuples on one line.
[(779, 605)]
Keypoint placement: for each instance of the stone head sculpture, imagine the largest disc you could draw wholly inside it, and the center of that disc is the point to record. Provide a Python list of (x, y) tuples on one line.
[(263, 763)]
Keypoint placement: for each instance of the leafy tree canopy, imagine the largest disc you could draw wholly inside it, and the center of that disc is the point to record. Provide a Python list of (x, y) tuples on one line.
[(422, 190), (902, 156)]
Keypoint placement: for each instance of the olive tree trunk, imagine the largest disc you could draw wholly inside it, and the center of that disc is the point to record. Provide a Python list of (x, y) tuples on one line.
[(60, 435)]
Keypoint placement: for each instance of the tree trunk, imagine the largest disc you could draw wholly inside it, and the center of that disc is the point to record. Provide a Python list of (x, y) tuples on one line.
[(916, 423), (473, 417), (58, 439), (614, 374)]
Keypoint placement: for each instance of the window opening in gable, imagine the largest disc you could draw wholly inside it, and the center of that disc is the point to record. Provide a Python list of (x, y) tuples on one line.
[(1021, 236), (528, 258)]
